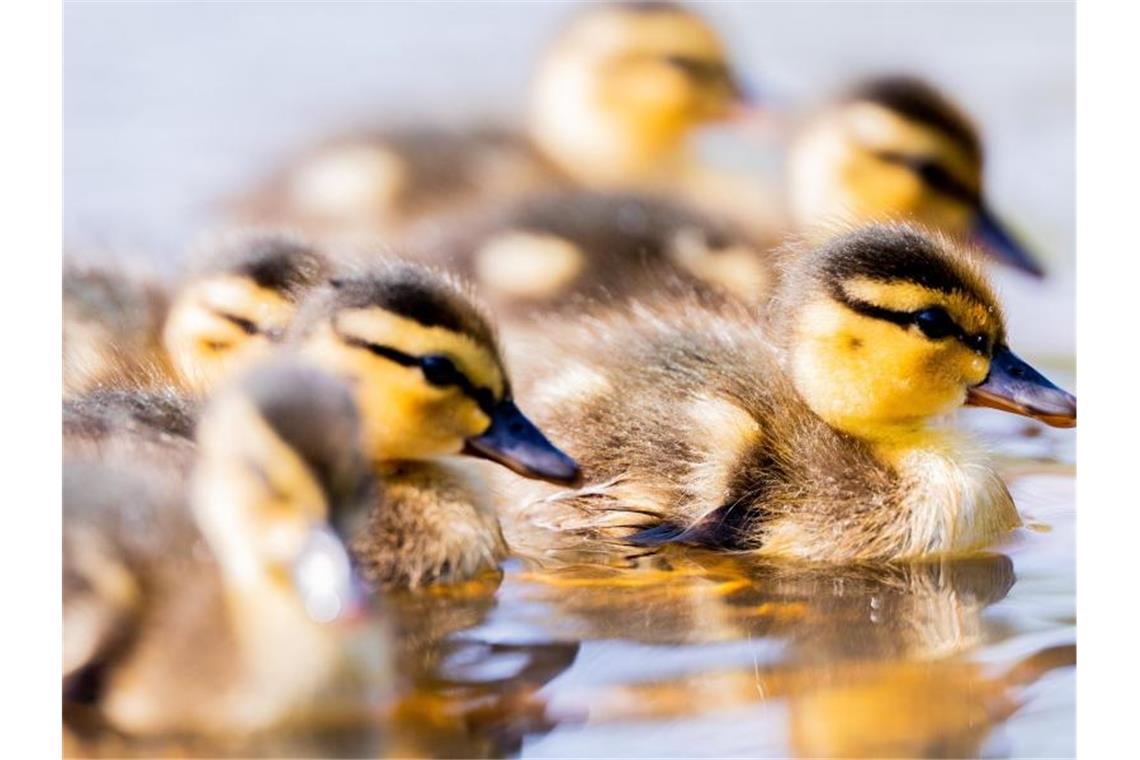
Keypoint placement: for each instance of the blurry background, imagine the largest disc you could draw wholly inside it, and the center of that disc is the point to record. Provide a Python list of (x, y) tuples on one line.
[(171, 106)]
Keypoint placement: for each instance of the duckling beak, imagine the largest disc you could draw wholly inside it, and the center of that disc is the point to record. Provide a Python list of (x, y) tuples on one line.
[(992, 236), (325, 581), (1014, 386), (514, 442)]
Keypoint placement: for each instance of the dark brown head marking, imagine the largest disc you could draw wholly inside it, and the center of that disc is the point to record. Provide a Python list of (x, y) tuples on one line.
[(917, 101), (413, 292), (277, 262)]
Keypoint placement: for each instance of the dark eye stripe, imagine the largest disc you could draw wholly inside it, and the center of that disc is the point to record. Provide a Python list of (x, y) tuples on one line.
[(698, 68), (934, 175), (484, 398), (978, 342), (247, 326)]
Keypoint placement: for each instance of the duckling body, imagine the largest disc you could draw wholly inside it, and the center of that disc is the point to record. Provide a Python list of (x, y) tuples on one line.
[(385, 180), (112, 328), (179, 615), (613, 101), (557, 251), (809, 435)]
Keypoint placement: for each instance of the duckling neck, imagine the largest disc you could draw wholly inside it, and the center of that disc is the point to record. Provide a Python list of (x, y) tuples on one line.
[(950, 499)]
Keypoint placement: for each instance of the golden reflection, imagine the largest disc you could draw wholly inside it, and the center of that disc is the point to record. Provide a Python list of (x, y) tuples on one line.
[(876, 659), (463, 696)]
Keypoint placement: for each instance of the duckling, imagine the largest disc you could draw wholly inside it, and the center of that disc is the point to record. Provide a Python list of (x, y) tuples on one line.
[(895, 148), (423, 361), (210, 612), (112, 328), (614, 99), (810, 435), (237, 302), (556, 251)]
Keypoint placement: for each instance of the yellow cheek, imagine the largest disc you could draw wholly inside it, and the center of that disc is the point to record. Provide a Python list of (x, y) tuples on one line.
[(403, 416), (880, 191), (414, 421), (204, 349), (868, 377), (658, 102)]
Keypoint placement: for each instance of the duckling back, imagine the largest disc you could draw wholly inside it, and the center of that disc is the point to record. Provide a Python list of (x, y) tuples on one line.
[(112, 328), (572, 251), (686, 429), (380, 183)]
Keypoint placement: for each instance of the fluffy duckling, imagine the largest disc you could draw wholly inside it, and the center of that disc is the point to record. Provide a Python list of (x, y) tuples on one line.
[(424, 364), (811, 437), (211, 613), (897, 149), (112, 328), (614, 99), (557, 251), (237, 303)]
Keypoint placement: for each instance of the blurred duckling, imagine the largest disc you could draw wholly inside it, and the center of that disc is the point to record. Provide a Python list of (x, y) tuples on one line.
[(559, 252), (237, 303), (812, 436), (892, 149), (423, 361), (211, 613), (123, 331), (614, 99), (112, 328)]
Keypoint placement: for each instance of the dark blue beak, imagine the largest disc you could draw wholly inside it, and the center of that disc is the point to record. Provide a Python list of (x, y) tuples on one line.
[(514, 442), (1014, 386), (993, 237)]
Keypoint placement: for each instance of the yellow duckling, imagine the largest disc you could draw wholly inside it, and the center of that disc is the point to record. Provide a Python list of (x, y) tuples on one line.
[(811, 437), (237, 303), (896, 149), (614, 99), (424, 364), (557, 251), (211, 613)]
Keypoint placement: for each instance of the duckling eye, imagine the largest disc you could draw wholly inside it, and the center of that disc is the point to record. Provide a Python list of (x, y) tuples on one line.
[(933, 174), (441, 371), (935, 323)]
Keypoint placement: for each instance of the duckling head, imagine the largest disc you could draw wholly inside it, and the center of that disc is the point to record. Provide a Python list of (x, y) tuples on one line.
[(895, 148), (281, 481), (887, 327), (622, 86), (238, 304), (425, 366)]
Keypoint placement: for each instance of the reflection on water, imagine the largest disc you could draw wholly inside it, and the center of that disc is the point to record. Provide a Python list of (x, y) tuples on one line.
[(689, 653)]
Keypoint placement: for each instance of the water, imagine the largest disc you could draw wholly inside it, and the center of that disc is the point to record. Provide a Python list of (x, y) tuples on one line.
[(697, 654)]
